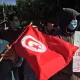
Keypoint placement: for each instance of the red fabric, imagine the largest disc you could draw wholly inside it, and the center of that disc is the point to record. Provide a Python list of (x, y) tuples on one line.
[(55, 56)]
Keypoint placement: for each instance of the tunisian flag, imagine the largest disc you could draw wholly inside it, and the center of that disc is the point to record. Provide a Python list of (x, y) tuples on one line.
[(45, 54)]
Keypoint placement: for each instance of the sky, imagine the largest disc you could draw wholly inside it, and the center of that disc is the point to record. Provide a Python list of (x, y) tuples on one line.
[(9, 2)]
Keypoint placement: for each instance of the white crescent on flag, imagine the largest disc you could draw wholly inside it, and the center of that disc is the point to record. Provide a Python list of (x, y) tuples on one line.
[(31, 43)]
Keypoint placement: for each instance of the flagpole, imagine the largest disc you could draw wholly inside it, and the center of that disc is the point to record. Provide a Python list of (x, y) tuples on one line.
[(4, 15)]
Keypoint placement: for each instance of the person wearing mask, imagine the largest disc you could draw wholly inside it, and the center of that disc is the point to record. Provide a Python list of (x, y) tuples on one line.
[(15, 24), (11, 35), (68, 24)]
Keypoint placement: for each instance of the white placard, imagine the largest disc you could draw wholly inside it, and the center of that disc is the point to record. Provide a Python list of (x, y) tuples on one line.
[(76, 57)]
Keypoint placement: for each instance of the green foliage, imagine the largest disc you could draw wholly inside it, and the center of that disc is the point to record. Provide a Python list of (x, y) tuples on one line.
[(39, 7), (43, 7)]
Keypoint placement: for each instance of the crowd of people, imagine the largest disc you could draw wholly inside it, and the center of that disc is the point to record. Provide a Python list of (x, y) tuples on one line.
[(14, 67)]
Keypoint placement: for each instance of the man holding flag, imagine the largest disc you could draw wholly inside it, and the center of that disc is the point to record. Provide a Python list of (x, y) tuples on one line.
[(44, 53)]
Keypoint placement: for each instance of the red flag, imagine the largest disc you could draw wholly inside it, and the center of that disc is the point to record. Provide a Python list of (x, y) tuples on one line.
[(45, 54)]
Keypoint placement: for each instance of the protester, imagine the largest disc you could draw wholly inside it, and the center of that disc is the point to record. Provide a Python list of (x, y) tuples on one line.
[(15, 24), (11, 35), (6, 61), (68, 23), (11, 64), (48, 27)]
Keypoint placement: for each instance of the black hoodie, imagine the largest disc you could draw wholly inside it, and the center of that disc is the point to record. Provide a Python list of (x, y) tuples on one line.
[(65, 17)]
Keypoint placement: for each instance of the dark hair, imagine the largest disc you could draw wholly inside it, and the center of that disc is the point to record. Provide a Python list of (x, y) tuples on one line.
[(48, 21)]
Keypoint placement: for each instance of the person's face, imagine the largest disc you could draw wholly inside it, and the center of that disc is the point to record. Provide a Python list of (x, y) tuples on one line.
[(49, 26), (73, 24)]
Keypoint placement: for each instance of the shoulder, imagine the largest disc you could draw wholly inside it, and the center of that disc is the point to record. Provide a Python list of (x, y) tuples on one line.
[(57, 32), (3, 44), (3, 41)]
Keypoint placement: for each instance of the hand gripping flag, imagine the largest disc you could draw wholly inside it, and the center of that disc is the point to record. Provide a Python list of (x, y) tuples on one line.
[(45, 54)]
